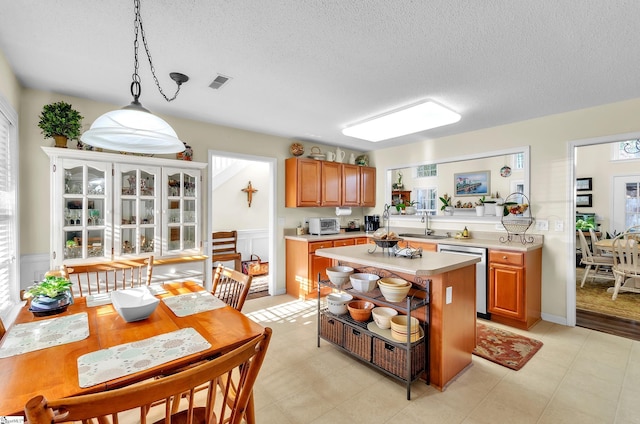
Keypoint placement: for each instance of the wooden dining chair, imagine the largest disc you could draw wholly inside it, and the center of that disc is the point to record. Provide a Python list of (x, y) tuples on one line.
[(231, 286), (131, 403), (3, 330), (589, 260), (626, 268), (224, 248), (105, 277)]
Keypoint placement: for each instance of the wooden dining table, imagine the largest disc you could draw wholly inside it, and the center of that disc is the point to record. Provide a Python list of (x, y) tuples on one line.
[(53, 371)]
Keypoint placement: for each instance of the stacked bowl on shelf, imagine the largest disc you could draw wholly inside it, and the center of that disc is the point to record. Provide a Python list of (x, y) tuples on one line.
[(399, 328), (394, 289), (363, 282)]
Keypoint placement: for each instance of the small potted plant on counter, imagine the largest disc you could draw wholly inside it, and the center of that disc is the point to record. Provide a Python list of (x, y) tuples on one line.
[(446, 208), (50, 296), (480, 206), (410, 208)]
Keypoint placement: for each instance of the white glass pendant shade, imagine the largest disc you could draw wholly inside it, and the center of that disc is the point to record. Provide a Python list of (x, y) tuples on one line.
[(135, 130)]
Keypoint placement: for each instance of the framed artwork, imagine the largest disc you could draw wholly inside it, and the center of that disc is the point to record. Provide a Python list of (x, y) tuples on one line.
[(583, 184), (476, 183), (584, 200)]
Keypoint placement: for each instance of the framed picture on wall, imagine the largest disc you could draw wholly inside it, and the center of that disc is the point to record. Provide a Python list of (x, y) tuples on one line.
[(583, 184), (472, 183), (583, 200)]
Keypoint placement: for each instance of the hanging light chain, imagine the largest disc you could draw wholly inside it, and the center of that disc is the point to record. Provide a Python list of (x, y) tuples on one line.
[(135, 85)]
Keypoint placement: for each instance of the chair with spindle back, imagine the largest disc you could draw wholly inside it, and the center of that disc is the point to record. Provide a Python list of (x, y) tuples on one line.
[(104, 277), (231, 286), (223, 248), (121, 403)]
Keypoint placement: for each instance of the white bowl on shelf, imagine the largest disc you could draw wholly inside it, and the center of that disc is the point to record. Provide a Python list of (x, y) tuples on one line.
[(363, 282), (394, 289), (337, 302), (134, 304), (382, 316), (339, 275)]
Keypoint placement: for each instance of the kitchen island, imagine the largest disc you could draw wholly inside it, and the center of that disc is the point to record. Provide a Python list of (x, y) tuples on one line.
[(450, 280)]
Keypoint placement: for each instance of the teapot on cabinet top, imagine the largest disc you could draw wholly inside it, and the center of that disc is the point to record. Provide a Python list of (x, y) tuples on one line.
[(340, 155)]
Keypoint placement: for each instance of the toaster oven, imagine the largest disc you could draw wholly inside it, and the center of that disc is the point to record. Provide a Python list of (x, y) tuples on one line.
[(320, 226)]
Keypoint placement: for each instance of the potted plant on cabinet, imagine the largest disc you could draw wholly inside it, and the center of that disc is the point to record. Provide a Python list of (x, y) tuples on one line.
[(60, 121), (446, 208), (50, 296)]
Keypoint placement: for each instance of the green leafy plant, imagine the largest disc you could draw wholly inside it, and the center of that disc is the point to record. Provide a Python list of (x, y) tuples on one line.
[(446, 201), (60, 119), (52, 286), (480, 201)]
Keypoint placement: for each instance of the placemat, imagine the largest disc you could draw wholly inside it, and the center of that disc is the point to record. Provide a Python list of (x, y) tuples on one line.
[(193, 303), (27, 337), (118, 361)]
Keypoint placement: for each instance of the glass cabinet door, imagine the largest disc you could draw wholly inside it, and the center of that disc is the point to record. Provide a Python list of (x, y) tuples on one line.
[(136, 210), (182, 210), (84, 211)]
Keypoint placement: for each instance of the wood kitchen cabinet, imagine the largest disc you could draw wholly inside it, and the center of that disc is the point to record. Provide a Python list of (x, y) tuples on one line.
[(303, 265), (315, 183), (515, 287)]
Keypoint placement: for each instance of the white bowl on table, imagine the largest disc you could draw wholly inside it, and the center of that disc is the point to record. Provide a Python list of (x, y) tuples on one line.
[(134, 304), (363, 282)]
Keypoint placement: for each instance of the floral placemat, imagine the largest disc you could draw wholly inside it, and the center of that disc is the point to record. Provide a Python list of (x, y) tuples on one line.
[(193, 303), (118, 361), (27, 337)]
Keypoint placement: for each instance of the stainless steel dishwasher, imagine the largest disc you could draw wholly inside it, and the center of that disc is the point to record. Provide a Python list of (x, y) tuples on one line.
[(482, 287)]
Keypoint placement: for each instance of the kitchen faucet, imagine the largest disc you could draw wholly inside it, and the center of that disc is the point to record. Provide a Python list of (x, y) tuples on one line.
[(425, 218)]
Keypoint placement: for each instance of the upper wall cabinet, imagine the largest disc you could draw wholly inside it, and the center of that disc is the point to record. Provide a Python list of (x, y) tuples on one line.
[(315, 183), (108, 206)]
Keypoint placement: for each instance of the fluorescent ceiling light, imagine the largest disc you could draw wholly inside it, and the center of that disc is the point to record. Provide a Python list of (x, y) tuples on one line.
[(412, 119)]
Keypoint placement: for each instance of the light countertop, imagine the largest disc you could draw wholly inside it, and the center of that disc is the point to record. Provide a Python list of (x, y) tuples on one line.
[(487, 240), (431, 263)]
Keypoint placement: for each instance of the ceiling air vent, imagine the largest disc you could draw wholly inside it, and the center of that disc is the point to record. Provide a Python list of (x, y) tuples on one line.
[(219, 81)]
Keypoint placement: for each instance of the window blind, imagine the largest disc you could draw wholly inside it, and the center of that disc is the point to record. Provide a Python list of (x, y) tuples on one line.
[(9, 282)]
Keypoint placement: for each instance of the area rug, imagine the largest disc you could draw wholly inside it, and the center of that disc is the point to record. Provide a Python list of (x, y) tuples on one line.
[(503, 347)]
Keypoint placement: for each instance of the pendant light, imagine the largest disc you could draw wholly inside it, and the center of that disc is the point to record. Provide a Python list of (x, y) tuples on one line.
[(133, 128)]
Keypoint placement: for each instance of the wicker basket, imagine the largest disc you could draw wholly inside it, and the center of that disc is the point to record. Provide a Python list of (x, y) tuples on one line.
[(358, 342), (392, 358), (331, 329)]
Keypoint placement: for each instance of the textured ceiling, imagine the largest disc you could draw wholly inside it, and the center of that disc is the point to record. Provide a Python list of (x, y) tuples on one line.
[(305, 69)]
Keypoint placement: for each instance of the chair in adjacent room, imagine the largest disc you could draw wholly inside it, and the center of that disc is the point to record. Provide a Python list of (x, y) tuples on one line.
[(105, 277), (626, 268), (131, 403), (223, 248), (231, 286), (594, 249), (591, 261), (3, 330)]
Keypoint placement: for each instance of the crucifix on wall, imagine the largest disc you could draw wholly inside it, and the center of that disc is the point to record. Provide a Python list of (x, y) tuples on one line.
[(249, 190)]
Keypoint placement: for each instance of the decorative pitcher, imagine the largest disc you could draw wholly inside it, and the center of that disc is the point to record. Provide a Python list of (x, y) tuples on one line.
[(331, 156), (340, 154)]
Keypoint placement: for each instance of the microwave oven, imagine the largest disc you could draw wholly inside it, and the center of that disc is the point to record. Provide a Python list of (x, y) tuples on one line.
[(319, 226)]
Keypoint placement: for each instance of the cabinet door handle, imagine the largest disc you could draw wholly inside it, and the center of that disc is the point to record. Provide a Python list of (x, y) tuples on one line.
[(504, 257)]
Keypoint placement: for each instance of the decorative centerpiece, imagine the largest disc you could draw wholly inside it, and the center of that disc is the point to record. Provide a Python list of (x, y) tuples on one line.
[(50, 296), (60, 121)]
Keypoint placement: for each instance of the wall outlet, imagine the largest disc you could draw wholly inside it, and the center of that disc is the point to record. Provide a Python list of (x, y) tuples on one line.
[(559, 225), (542, 225), (449, 295)]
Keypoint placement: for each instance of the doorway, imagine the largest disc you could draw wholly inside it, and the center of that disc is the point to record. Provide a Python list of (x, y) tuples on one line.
[(592, 306), (233, 204)]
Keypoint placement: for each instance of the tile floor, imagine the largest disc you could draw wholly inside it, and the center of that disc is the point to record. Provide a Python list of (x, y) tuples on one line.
[(579, 376)]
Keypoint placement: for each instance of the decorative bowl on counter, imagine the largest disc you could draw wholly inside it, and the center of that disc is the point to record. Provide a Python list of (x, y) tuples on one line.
[(394, 289), (399, 328), (382, 316), (337, 302), (339, 275), (363, 282), (360, 310)]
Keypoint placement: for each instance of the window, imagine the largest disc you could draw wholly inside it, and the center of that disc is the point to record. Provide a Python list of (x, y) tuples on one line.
[(430, 170), (9, 278), (626, 150), (518, 161), (426, 198)]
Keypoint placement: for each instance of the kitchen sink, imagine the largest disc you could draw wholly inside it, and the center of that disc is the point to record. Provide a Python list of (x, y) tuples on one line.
[(423, 236)]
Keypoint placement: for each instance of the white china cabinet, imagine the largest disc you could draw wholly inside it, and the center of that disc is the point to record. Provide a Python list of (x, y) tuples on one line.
[(112, 206)]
